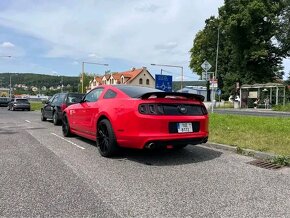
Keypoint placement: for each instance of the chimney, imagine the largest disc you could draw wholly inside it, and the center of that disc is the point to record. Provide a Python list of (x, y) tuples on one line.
[(144, 68), (133, 68)]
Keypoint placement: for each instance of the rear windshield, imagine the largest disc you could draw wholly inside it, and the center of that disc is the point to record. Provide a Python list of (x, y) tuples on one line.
[(22, 100), (74, 97), (136, 91)]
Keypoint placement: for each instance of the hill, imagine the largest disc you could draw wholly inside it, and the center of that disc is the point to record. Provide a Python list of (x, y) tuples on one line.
[(37, 80)]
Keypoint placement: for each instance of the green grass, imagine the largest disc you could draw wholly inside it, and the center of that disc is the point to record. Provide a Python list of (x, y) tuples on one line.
[(35, 105), (268, 134), (281, 107)]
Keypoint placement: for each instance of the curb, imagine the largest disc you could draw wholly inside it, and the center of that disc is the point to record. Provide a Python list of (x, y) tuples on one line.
[(243, 151)]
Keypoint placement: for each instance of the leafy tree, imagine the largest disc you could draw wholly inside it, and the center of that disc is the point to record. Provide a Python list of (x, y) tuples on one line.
[(254, 39), (87, 77)]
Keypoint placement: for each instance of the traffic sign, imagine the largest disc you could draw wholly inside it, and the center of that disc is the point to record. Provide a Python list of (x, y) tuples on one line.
[(206, 66), (163, 82), (218, 92)]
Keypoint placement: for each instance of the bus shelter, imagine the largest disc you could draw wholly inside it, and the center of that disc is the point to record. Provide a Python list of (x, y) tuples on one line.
[(263, 94)]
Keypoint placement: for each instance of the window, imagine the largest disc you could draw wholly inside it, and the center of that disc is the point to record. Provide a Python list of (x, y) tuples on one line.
[(147, 82), (140, 81), (110, 94), (93, 95)]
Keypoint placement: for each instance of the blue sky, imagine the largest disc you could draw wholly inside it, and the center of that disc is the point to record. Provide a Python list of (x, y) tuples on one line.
[(54, 37)]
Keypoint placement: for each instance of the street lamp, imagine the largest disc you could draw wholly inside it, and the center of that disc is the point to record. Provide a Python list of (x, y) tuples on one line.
[(83, 71), (216, 67), (10, 86), (167, 65)]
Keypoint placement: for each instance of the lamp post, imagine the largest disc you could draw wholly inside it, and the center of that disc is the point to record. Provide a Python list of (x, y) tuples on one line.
[(216, 67), (10, 85), (167, 65), (83, 70)]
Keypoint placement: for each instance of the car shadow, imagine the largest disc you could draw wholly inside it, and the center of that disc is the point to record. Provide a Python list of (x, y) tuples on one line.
[(167, 157)]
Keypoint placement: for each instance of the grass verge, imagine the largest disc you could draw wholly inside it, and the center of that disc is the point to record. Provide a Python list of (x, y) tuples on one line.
[(35, 105), (280, 107), (267, 134)]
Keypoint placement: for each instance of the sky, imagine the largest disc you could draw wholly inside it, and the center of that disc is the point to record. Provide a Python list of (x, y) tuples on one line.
[(54, 37)]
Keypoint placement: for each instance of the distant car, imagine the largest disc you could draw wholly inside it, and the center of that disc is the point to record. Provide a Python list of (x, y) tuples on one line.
[(19, 104), (137, 117), (4, 101), (53, 108)]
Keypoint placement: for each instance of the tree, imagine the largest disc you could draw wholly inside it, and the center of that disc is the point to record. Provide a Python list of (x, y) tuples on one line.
[(254, 39), (87, 77)]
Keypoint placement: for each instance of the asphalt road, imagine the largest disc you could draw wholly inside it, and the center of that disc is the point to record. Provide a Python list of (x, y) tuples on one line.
[(43, 174)]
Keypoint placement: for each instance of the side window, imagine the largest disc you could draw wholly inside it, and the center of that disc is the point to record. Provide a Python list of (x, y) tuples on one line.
[(93, 95), (55, 99), (140, 81), (51, 99), (110, 94), (147, 82)]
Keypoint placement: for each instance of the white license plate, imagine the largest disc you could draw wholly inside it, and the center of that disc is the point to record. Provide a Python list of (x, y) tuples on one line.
[(184, 127)]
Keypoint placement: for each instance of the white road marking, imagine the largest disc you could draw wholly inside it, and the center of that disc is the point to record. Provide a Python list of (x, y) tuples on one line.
[(27, 121), (68, 141)]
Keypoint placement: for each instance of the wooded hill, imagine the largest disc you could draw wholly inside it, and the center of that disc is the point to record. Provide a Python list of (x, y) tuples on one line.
[(37, 80)]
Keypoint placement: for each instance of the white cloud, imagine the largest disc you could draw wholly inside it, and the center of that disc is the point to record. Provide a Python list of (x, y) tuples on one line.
[(145, 31), (7, 45)]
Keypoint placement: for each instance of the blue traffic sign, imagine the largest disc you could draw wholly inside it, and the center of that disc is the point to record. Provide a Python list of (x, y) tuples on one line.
[(218, 92), (163, 82)]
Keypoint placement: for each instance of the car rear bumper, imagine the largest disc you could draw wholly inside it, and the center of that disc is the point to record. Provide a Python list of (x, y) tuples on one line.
[(23, 107), (175, 140)]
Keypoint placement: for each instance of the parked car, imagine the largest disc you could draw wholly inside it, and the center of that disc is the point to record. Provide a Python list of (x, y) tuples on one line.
[(137, 117), (53, 108), (4, 101), (19, 104)]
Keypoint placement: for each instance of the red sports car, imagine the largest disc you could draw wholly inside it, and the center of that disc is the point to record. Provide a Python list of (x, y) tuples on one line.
[(137, 117)]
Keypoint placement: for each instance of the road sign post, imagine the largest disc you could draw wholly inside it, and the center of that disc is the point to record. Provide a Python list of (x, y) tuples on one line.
[(206, 67)]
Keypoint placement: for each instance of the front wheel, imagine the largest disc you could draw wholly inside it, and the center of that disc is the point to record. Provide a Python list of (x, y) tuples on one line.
[(43, 118), (65, 127), (106, 139), (55, 119)]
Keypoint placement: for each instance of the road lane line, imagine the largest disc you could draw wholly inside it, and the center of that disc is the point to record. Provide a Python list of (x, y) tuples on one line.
[(68, 141), (27, 121)]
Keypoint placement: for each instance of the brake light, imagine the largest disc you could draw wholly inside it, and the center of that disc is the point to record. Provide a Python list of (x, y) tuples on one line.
[(150, 109), (63, 106)]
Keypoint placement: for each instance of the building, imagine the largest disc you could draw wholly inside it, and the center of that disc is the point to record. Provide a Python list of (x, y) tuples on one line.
[(138, 77)]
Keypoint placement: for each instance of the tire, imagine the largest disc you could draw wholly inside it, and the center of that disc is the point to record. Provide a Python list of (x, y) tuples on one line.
[(106, 139), (65, 127), (42, 118), (55, 119)]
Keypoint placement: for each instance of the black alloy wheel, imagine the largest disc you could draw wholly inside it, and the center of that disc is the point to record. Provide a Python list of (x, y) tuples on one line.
[(43, 118), (55, 119), (106, 139), (65, 127)]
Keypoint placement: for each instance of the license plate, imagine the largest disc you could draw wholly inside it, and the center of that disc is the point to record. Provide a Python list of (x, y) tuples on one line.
[(184, 127)]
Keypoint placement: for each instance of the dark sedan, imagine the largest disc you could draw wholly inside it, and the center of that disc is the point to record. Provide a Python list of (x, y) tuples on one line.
[(19, 104)]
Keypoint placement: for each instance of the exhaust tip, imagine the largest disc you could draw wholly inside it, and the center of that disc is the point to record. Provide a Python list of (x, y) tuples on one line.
[(150, 145)]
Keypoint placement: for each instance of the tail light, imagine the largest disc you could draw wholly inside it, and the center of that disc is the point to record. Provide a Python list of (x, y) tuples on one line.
[(63, 106), (172, 109)]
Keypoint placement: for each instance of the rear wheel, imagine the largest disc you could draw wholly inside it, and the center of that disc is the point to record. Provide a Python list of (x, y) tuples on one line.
[(43, 118), (65, 127), (106, 139), (55, 118)]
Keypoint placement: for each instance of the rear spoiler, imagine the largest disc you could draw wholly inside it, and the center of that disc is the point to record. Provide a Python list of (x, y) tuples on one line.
[(164, 94)]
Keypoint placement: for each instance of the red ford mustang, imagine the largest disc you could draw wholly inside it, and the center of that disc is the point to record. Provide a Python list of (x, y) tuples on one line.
[(137, 117)]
